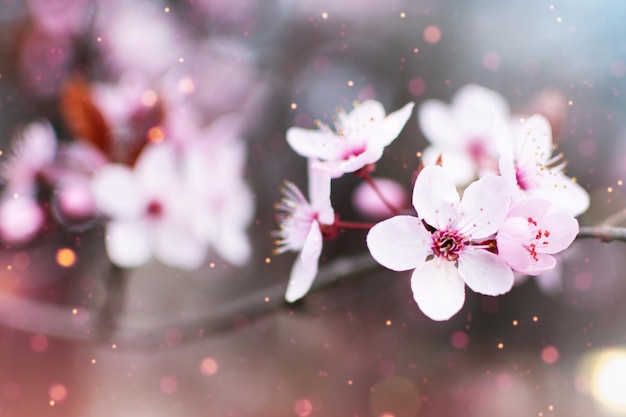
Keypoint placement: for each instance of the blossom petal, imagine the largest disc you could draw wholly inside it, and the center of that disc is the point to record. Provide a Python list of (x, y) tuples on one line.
[(438, 289), (563, 229), (310, 143), (385, 132), (437, 124), (305, 267), (115, 192), (319, 193), (435, 197), (458, 165), (399, 243), (540, 265), (127, 243), (512, 238), (534, 140), (483, 207), (175, 245), (565, 194), (484, 272), (156, 170)]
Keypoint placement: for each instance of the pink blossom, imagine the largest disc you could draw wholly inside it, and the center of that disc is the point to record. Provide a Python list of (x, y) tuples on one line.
[(462, 132), (526, 162), (149, 213), (21, 217), (359, 138), (369, 204), (300, 224), (457, 250), (531, 234)]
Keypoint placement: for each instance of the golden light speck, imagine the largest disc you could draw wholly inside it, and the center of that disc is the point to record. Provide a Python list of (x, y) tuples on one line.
[(167, 10), (559, 19), (388, 322), (266, 299), (51, 402), (500, 345), (149, 98), (570, 103), (418, 154), (324, 15), (620, 183), (156, 134), (113, 346), (515, 322), (402, 15), (350, 83), (65, 257), (186, 85), (349, 382), (74, 311), (268, 260), (99, 39), (416, 50), (181, 60), (16, 195), (93, 361), (609, 189), (293, 106), (535, 319), (551, 407), (9, 267), (212, 265)]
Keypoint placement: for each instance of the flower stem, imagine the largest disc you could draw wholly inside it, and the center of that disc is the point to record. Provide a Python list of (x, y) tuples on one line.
[(366, 176), (353, 225)]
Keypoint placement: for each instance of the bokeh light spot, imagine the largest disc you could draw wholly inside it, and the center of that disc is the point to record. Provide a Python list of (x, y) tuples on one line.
[(209, 366), (303, 407), (459, 340), (57, 392), (550, 355), (417, 86), (432, 34), (169, 384), (39, 343), (66, 257)]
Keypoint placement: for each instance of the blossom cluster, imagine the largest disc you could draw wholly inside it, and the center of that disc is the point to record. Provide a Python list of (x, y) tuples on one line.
[(491, 200)]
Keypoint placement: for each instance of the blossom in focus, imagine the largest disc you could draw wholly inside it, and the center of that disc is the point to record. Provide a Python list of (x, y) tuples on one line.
[(453, 249), (462, 132), (526, 162), (359, 138), (148, 211), (300, 229), (531, 234)]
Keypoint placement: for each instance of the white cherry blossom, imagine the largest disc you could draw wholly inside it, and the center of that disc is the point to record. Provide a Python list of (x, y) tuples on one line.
[(359, 138), (462, 132), (300, 229), (448, 244), (526, 162)]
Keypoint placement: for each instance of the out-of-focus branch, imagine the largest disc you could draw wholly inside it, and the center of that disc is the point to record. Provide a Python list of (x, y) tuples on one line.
[(602, 232)]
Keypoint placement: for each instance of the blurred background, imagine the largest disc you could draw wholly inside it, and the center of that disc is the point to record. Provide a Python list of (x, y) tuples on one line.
[(80, 337)]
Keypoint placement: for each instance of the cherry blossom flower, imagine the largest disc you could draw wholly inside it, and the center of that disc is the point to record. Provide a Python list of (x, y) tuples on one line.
[(531, 234), (21, 218), (462, 132), (527, 164), (359, 138), (301, 224), (448, 245), (369, 203), (149, 213)]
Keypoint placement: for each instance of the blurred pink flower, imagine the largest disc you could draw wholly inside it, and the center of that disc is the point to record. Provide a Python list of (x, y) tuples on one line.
[(21, 217), (369, 204), (456, 252), (67, 17), (148, 211), (526, 162), (462, 132), (531, 234), (359, 139), (300, 229)]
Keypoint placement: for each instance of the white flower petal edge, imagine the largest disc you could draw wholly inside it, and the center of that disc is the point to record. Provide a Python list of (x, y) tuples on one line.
[(305, 267), (400, 243), (438, 289), (484, 272), (435, 197), (127, 243)]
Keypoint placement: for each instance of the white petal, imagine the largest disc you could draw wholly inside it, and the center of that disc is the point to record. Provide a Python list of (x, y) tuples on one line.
[(354, 163), (483, 207), (156, 169), (400, 243), (484, 272), (319, 193), (20, 218), (565, 194), (534, 140), (438, 289), (314, 143), (480, 100), (438, 125), (115, 192), (512, 238), (175, 245), (390, 128), (362, 118), (234, 247), (305, 267), (127, 243), (435, 197), (458, 165)]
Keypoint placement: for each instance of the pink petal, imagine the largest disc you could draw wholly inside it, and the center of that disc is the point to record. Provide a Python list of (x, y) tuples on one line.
[(127, 243), (563, 229), (310, 143), (483, 207), (484, 272), (530, 207), (20, 218), (319, 193), (390, 128), (175, 245), (457, 164), (368, 203), (565, 194), (115, 192), (354, 163), (156, 169), (305, 267), (436, 122), (512, 238), (438, 289), (540, 265), (435, 197), (400, 243)]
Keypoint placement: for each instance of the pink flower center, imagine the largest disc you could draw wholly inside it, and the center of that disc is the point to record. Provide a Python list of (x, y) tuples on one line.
[(154, 209), (447, 243), (539, 240), (476, 150), (353, 152), (522, 178)]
